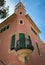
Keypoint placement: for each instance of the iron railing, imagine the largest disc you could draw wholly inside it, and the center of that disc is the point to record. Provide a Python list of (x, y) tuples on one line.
[(28, 45)]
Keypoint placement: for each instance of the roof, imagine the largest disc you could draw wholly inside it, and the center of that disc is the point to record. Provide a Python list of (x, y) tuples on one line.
[(14, 15), (20, 3), (7, 20), (34, 25)]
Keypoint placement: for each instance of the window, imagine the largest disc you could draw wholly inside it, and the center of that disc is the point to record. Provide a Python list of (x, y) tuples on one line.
[(34, 31), (1, 30), (22, 40), (13, 42), (20, 12), (21, 22), (30, 44), (38, 48), (7, 26), (4, 29), (29, 39)]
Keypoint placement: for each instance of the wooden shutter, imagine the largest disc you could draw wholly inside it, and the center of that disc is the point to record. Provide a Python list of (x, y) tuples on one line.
[(22, 40), (13, 42), (38, 48)]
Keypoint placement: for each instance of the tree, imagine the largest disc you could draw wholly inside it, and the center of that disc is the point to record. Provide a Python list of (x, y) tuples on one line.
[(3, 10)]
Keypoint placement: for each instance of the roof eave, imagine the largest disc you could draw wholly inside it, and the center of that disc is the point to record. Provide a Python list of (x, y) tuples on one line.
[(5, 21), (29, 18)]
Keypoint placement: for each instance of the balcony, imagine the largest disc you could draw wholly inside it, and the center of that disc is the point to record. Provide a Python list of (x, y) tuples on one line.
[(24, 49)]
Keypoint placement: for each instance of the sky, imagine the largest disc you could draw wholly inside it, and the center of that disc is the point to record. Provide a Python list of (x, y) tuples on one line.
[(35, 9)]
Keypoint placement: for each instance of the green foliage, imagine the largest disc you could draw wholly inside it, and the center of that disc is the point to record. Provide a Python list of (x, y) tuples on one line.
[(2, 2), (3, 10)]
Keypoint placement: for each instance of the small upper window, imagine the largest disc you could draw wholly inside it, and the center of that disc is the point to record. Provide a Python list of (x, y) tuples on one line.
[(7, 26), (20, 12), (21, 22), (4, 29), (1, 30)]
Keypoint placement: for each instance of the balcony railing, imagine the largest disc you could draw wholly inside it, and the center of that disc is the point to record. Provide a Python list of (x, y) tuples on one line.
[(26, 45)]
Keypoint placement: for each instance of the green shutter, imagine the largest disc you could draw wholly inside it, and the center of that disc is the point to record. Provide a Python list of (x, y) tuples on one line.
[(38, 48), (34, 31), (22, 40), (13, 42)]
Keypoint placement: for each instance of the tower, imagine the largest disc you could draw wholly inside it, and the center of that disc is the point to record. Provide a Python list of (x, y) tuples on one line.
[(24, 45), (19, 8)]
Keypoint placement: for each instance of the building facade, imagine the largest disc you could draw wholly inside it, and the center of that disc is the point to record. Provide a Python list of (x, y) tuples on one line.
[(19, 32)]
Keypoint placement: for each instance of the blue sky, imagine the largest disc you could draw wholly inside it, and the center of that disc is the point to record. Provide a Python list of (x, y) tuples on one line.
[(35, 9)]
